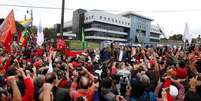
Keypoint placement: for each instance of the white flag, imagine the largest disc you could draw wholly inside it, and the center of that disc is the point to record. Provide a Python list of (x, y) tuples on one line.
[(40, 36), (187, 35)]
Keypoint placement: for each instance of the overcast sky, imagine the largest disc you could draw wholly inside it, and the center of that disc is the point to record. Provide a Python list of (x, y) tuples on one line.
[(170, 14)]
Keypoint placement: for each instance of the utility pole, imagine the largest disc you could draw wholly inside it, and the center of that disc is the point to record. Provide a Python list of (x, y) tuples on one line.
[(62, 18)]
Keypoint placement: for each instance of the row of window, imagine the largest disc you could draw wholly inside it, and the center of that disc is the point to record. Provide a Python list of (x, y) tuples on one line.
[(154, 40), (103, 34), (141, 27), (89, 17), (113, 20), (154, 35), (108, 19), (154, 29), (106, 27)]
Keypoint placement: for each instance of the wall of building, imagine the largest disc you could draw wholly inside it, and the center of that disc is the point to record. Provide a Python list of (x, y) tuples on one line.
[(139, 25)]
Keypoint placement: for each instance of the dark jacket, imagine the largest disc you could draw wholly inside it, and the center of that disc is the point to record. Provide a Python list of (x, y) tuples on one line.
[(60, 94), (192, 96), (105, 55), (107, 95)]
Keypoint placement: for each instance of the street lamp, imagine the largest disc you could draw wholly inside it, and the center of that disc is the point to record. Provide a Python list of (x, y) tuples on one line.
[(62, 18)]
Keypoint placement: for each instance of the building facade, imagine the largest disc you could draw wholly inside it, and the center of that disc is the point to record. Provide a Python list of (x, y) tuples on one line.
[(101, 26)]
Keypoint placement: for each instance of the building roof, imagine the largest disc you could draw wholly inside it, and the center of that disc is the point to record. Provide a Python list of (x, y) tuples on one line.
[(134, 14)]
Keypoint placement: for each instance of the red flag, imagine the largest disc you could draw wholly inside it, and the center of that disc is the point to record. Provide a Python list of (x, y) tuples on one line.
[(68, 52), (7, 29)]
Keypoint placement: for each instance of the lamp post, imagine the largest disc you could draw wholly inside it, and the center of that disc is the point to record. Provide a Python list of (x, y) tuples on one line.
[(62, 18)]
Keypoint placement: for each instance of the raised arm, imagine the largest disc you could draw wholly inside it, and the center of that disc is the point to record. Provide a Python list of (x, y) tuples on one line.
[(47, 92), (29, 93), (16, 91)]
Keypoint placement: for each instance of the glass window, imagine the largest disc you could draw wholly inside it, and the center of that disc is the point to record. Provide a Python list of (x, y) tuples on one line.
[(108, 19), (112, 20), (116, 20), (128, 23), (86, 18), (89, 17), (101, 17), (92, 17), (119, 21), (122, 22), (104, 18)]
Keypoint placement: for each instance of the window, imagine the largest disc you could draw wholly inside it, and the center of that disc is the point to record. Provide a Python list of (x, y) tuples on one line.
[(128, 23), (122, 22), (116, 20), (108, 19), (119, 21), (112, 20), (92, 17), (89, 17), (104, 18), (101, 17), (125, 23), (86, 18)]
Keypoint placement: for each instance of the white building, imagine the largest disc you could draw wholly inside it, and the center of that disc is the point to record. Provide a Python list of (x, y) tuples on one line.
[(100, 26)]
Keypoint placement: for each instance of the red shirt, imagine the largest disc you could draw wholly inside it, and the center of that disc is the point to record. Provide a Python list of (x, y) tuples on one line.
[(75, 94), (114, 71), (29, 93), (39, 52), (89, 94), (182, 72)]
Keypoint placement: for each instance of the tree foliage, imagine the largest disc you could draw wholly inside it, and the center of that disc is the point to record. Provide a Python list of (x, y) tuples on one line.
[(177, 37), (50, 33), (163, 39)]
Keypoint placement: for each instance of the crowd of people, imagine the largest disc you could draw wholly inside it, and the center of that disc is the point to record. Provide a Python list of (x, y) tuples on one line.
[(114, 73)]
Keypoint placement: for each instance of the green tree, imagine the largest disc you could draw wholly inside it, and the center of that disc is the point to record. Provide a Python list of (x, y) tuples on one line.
[(177, 37), (49, 33), (34, 29), (163, 39), (194, 41)]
